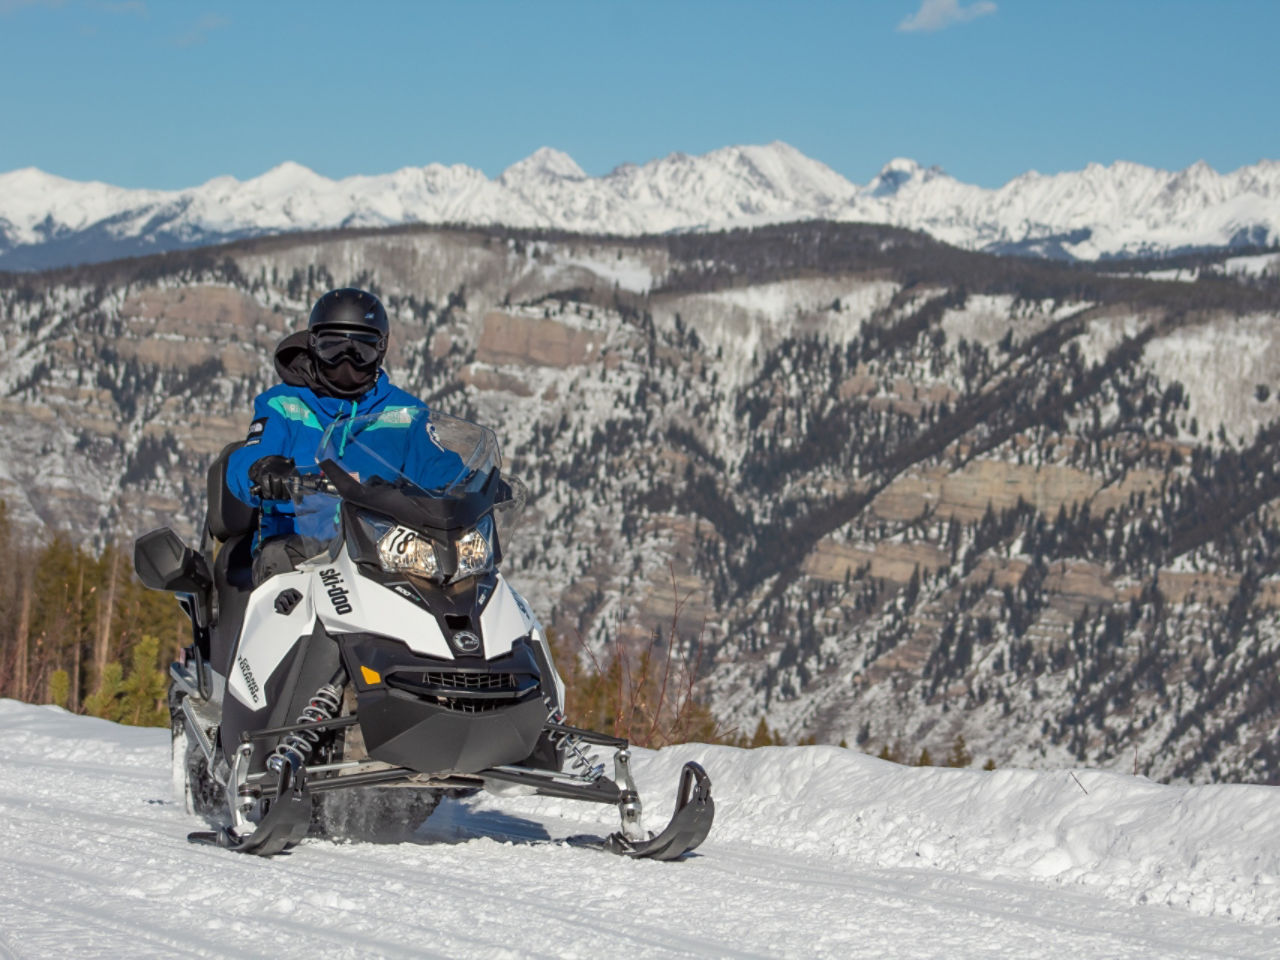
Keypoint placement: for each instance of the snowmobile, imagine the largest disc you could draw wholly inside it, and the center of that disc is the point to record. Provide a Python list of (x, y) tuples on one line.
[(393, 665)]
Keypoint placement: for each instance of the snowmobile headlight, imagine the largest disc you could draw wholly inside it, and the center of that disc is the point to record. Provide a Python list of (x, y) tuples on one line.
[(475, 552), (406, 550)]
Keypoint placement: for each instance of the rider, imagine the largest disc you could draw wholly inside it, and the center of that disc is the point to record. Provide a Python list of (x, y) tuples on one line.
[(331, 371)]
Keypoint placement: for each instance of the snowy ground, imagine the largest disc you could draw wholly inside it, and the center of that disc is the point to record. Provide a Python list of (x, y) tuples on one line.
[(817, 851)]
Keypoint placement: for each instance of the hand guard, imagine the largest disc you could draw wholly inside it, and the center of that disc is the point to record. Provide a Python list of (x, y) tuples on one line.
[(269, 477)]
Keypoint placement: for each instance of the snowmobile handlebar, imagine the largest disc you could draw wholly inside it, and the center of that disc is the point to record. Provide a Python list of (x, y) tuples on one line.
[(299, 485), (302, 484)]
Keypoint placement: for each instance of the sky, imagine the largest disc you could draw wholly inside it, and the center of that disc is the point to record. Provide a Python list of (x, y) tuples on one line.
[(149, 93)]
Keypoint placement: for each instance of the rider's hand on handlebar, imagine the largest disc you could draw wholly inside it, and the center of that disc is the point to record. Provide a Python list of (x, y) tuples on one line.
[(270, 477)]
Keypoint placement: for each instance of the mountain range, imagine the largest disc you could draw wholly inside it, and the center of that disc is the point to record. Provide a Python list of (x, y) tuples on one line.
[(1121, 210)]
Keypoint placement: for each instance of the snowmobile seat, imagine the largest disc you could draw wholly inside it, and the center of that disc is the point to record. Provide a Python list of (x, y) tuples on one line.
[(231, 523), (228, 516)]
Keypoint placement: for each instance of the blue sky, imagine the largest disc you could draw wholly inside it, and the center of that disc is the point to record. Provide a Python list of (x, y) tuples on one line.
[(169, 94)]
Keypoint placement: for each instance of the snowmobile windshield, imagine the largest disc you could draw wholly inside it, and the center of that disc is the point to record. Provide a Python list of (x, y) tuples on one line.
[(423, 455), (429, 472)]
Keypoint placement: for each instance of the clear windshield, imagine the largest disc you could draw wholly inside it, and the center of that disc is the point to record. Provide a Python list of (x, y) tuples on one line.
[(440, 457)]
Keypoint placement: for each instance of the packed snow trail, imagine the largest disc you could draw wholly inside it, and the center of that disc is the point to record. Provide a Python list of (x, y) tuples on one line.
[(816, 852)]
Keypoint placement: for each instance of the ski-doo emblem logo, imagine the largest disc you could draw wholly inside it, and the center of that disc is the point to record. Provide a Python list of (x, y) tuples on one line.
[(249, 682), (333, 581), (466, 641)]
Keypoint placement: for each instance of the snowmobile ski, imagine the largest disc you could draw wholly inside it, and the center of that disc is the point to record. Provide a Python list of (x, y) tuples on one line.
[(688, 827), (285, 823)]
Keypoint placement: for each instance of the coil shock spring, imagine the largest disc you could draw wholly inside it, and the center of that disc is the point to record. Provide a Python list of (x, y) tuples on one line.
[(296, 747), (580, 761)]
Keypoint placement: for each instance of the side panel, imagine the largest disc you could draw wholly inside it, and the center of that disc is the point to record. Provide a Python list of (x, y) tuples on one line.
[(540, 639), (346, 602), (267, 636), (504, 620)]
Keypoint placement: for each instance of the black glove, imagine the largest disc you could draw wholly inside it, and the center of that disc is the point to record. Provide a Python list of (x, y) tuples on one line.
[(268, 477)]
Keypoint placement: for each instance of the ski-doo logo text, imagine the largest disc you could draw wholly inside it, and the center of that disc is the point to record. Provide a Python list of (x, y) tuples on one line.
[(249, 682), (333, 581)]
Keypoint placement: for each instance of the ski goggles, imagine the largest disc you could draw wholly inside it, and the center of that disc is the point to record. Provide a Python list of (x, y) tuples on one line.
[(364, 349)]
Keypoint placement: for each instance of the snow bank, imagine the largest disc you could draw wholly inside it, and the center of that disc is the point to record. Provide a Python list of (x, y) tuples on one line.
[(1214, 850), (816, 852)]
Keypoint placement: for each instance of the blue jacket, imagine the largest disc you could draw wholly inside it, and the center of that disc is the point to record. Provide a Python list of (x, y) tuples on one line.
[(290, 419)]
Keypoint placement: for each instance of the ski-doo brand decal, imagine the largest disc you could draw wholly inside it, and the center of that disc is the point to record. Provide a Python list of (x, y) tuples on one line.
[(255, 431), (378, 607), (247, 672), (337, 592), (466, 641)]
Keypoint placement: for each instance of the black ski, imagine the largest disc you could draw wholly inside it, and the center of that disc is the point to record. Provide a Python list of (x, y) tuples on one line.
[(285, 824), (689, 825)]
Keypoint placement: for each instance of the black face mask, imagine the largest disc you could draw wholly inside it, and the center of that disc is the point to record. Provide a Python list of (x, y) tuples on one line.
[(345, 379)]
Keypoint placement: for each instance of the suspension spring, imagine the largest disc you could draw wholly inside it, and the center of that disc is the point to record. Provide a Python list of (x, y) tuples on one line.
[(296, 747), (578, 758)]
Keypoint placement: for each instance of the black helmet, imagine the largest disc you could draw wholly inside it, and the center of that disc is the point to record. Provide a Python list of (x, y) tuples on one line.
[(351, 308), (348, 324)]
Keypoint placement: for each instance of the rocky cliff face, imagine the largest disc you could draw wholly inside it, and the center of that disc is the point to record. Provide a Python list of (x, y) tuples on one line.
[(895, 492)]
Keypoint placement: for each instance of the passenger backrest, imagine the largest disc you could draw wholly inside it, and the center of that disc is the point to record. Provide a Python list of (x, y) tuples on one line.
[(228, 516)]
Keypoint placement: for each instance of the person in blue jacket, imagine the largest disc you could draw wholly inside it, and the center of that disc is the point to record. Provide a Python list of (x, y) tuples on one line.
[(331, 371)]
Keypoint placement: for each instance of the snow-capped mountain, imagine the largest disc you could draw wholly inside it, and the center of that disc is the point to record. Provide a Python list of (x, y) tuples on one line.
[(1101, 211)]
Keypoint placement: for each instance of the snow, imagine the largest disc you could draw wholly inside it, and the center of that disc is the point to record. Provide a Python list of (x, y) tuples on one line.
[(1252, 266), (816, 852), (628, 273), (1204, 356), (1177, 274), (1124, 208)]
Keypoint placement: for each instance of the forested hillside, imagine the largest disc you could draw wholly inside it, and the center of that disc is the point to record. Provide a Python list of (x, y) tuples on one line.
[(899, 492)]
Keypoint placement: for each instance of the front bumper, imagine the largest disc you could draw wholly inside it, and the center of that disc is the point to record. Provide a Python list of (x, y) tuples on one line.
[(445, 717)]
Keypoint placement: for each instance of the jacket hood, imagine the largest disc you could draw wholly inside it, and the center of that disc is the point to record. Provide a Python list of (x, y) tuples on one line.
[(297, 368), (294, 363)]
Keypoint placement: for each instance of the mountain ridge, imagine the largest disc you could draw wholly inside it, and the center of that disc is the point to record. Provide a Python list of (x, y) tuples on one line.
[(1119, 210)]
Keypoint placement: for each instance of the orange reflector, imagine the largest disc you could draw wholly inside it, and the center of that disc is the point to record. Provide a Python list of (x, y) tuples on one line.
[(370, 676)]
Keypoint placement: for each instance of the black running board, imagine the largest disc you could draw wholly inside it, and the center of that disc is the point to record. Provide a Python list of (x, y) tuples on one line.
[(285, 824), (689, 825)]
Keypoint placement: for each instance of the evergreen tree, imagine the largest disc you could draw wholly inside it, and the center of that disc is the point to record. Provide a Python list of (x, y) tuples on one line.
[(958, 755), (59, 687), (763, 737)]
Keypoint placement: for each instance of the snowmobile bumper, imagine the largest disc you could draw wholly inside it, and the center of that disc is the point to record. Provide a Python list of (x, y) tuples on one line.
[(457, 717), (406, 730)]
